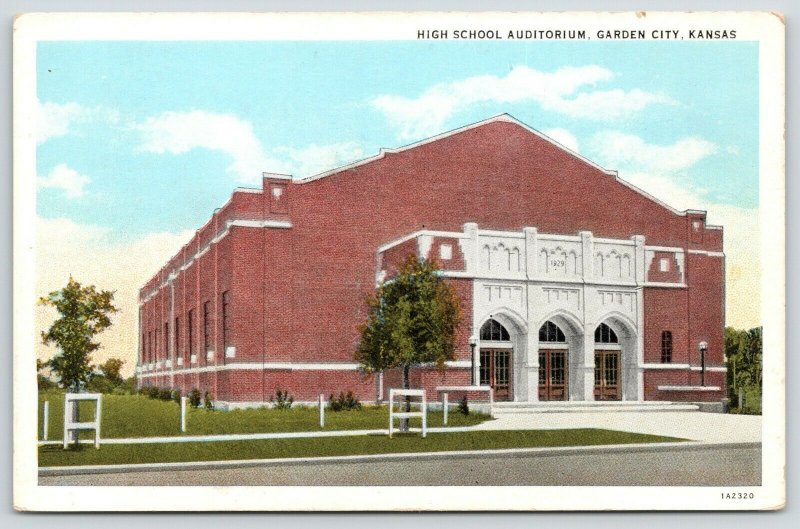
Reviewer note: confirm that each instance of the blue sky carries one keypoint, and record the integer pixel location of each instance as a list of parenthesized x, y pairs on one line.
[(295, 95), (139, 142)]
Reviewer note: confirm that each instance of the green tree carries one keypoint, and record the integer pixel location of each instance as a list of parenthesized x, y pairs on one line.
[(111, 369), (744, 352), (412, 319), (84, 312)]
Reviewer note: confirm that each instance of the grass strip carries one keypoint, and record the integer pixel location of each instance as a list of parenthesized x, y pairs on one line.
[(132, 416), (338, 446)]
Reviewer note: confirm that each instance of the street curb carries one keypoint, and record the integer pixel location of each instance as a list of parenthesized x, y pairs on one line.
[(377, 458)]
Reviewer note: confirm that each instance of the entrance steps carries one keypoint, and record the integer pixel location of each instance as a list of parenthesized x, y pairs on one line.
[(502, 408)]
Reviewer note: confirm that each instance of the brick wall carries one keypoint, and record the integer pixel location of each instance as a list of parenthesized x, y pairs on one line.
[(298, 294)]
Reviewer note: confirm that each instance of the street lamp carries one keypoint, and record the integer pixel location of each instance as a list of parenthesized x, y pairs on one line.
[(703, 347), (473, 341)]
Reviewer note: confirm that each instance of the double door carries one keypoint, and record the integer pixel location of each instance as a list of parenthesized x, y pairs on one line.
[(553, 374), (495, 371), (606, 375)]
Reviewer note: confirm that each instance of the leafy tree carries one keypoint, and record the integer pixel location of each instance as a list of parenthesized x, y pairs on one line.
[(411, 319), (84, 313), (111, 369), (744, 352)]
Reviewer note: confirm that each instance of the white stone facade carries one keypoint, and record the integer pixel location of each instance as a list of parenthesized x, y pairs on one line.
[(523, 279)]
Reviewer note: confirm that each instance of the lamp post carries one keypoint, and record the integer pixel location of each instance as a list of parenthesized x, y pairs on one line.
[(473, 341), (703, 347)]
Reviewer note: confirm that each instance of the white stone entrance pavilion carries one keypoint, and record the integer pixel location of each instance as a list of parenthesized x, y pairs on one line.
[(589, 289)]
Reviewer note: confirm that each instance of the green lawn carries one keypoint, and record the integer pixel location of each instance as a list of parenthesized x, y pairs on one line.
[(335, 446), (125, 416)]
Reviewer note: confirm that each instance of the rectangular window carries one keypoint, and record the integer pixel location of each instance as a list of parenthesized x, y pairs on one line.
[(177, 337), (666, 347), (207, 326), (445, 252), (663, 265), (166, 339), (190, 332), (226, 316)]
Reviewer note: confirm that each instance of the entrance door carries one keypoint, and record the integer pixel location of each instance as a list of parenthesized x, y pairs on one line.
[(553, 374), (606, 375), (495, 371)]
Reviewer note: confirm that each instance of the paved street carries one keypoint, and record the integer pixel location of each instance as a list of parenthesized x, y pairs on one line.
[(697, 466)]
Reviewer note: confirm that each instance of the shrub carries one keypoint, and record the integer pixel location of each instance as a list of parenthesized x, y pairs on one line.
[(344, 402), (194, 398), (463, 406), (176, 396), (152, 392), (165, 394), (208, 401), (282, 400)]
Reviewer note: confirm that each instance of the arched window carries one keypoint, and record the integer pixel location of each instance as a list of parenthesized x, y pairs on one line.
[(550, 332), (494, 332), (605, 334)]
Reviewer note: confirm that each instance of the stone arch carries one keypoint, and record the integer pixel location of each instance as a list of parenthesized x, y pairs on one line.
[(627, 333), (559, 316)]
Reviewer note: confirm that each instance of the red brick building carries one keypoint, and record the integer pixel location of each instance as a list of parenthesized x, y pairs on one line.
[(575, 285)]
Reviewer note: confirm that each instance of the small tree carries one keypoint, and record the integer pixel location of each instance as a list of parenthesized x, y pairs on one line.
[(111, 370), (411, 319), (84, 313)]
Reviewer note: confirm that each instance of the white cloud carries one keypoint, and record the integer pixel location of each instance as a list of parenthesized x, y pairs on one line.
[(179, 132), (555, 91), (70, 181), (54, 120), (64, 247), (315, 159), (564, 137), (617, 148)]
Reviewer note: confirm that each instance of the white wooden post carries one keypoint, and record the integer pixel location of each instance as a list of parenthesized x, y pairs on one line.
[(444, 408), (424, 416), (45, 421), (98, 407), (321, 410), (67, 437), (183, 413)]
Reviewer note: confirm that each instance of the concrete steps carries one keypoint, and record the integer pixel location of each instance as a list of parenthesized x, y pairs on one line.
[(501, 408)]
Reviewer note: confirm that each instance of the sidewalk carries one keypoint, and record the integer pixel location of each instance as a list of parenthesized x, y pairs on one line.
[(693, 425)]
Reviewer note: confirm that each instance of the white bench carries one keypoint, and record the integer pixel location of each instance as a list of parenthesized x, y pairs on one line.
[(445, 390), (419, 393)]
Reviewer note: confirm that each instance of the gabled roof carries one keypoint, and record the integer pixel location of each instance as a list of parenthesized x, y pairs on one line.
[(507, 118)]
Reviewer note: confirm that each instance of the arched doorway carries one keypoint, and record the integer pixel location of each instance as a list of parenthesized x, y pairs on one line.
[(553, 363), (607, 364), (496, 357)]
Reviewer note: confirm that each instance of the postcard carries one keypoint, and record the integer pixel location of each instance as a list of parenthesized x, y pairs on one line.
[(307, 261)]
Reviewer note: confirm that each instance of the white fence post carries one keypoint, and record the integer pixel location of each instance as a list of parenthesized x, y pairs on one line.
[(97, 412), (444, 408), (45, 419), (183, 413), (321, 410)]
